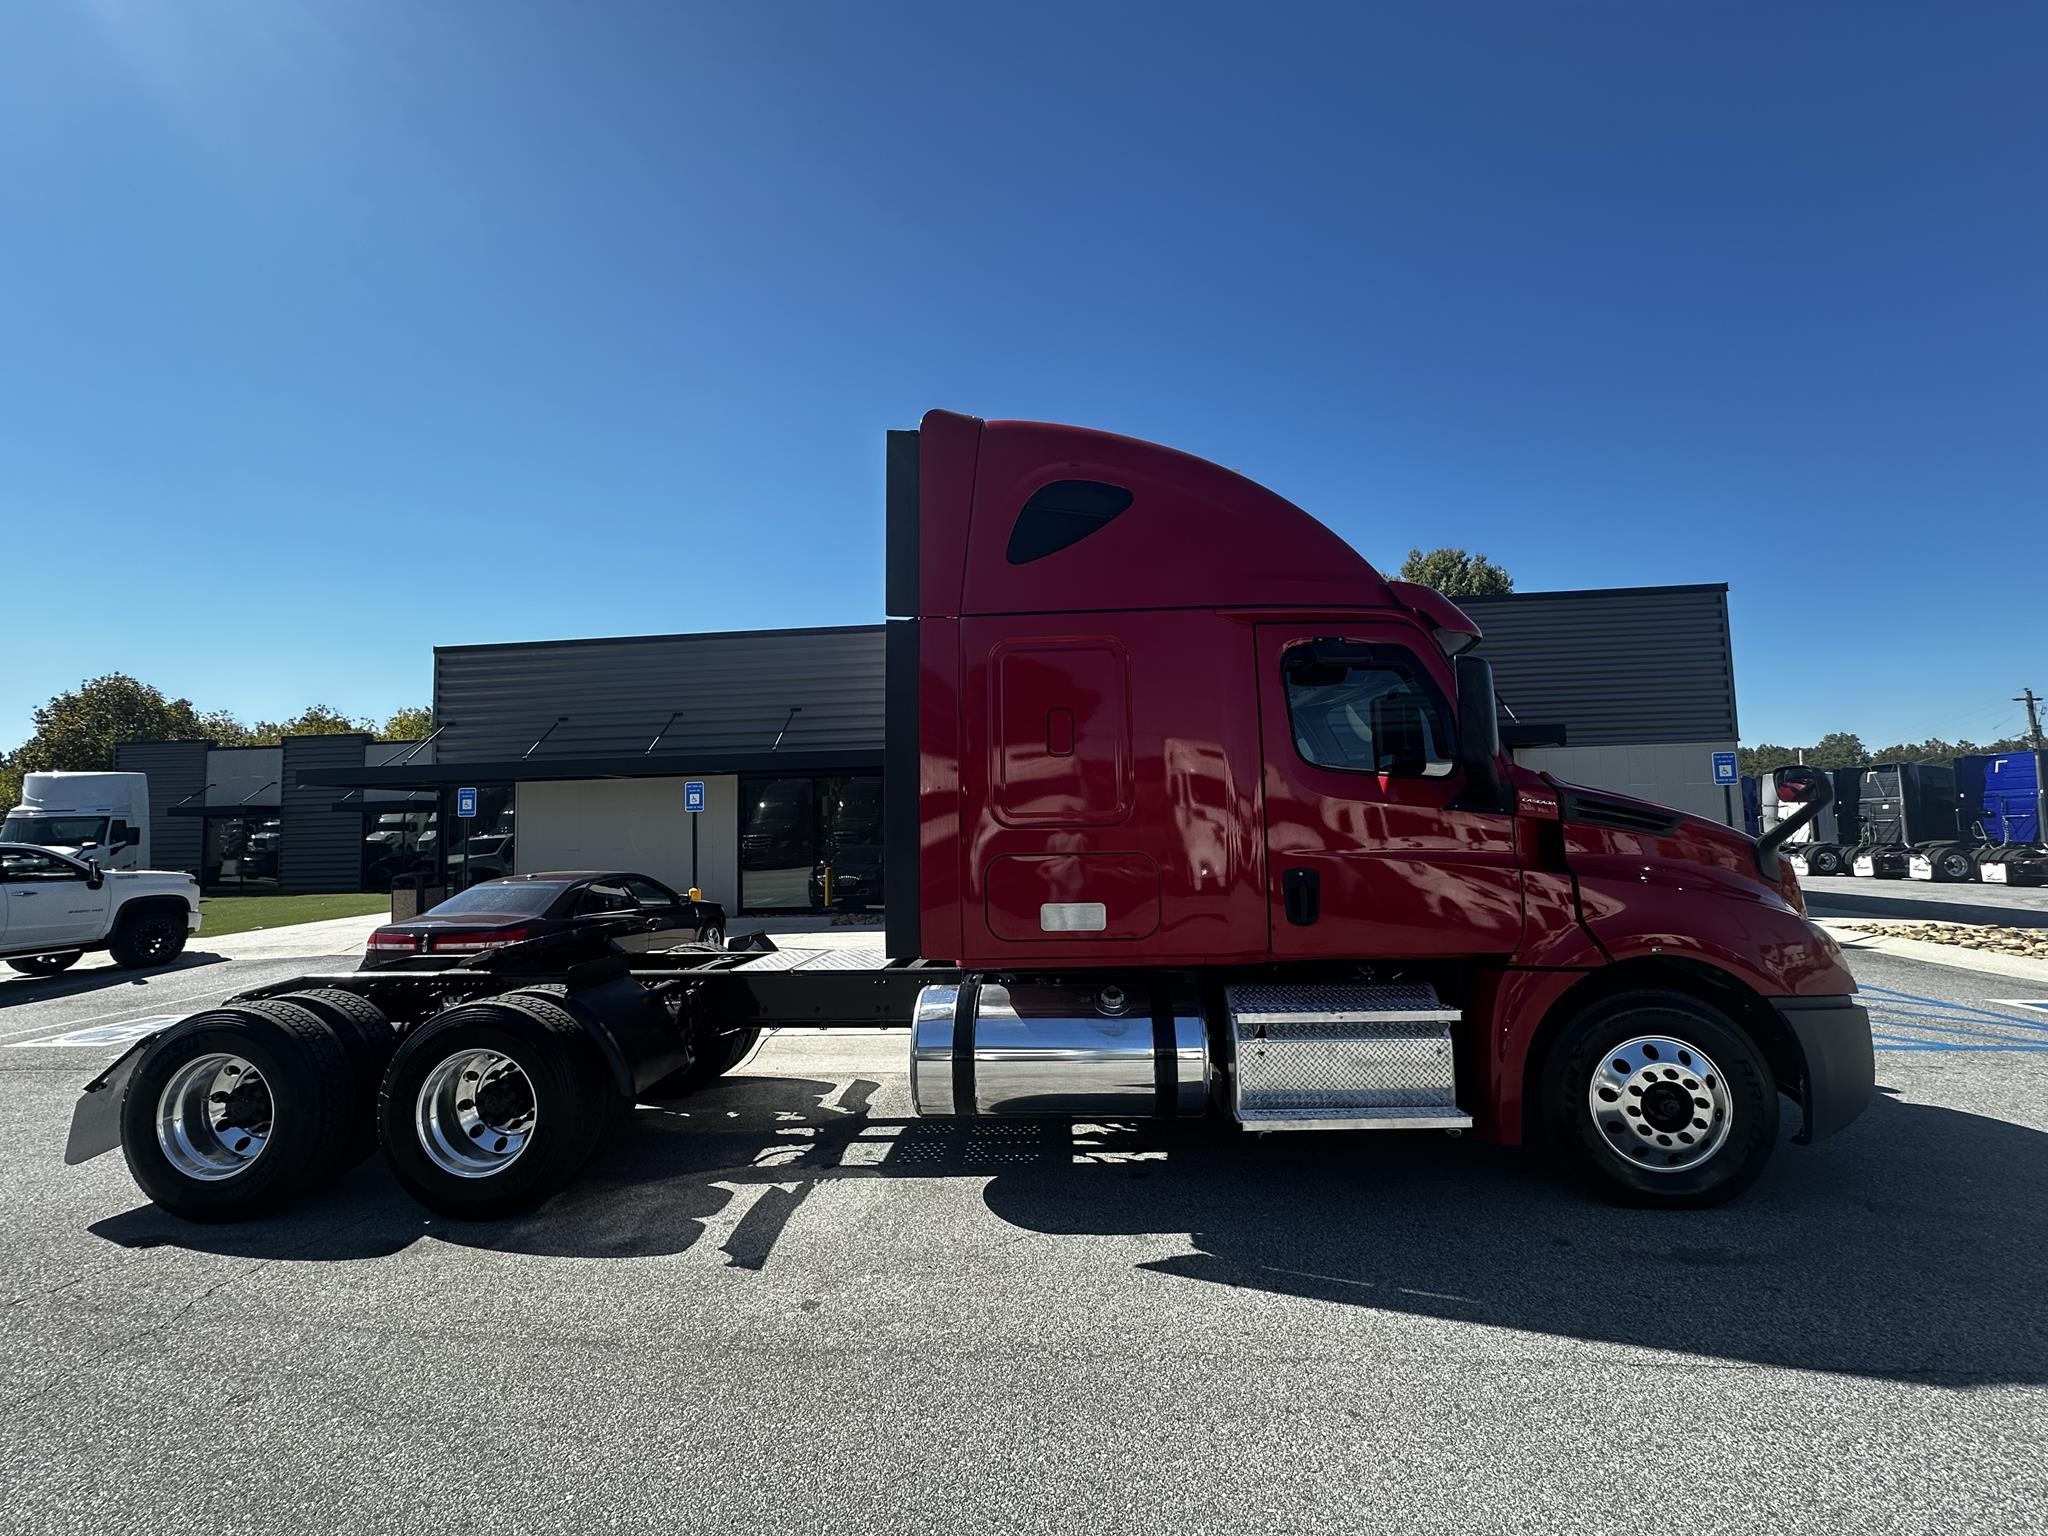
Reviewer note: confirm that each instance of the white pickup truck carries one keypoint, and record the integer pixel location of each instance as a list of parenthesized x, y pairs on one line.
[(54, 907)]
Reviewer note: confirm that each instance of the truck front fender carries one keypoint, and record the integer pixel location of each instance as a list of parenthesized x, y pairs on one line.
[(1760, 941)]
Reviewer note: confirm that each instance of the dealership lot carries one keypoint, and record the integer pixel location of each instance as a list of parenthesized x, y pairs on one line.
[(782, 1304), (1925, 901)]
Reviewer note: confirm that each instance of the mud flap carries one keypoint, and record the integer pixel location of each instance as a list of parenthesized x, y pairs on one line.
[(96, 1120)]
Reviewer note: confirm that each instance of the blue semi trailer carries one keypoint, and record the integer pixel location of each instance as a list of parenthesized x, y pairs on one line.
[(1999, 815)]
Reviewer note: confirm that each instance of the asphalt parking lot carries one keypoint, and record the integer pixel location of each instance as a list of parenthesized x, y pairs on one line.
[(2017, 906), (781, 1305)]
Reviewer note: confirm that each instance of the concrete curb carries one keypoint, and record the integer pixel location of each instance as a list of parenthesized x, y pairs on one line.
[(328, 936), (1985, 962)]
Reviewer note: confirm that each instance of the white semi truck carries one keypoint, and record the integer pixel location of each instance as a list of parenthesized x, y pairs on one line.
[(100, 816)]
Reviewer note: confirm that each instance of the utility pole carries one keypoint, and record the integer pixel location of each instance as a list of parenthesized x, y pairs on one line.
[(2028, 697)]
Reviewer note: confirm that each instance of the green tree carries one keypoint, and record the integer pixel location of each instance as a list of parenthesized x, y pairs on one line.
[(1760, 760), (220, 727), (413, 723), (313, 720), (79, 730), (1837, 749), (1456, 573)]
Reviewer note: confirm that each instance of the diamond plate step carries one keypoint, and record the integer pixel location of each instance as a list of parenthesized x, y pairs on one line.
[(1416, 1118), (1343, 1056)]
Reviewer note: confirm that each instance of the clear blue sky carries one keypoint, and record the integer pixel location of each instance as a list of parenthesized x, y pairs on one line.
[(335, 330)]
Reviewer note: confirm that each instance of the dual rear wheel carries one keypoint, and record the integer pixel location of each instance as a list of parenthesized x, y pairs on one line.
[(482, 1112), (244, 1108)]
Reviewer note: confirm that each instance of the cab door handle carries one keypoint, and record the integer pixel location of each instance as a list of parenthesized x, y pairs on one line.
[(1301, 894)]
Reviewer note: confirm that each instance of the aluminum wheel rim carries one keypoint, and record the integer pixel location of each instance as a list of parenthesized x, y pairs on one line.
[(1635, 1099), (475, 1114), (213, 1118)]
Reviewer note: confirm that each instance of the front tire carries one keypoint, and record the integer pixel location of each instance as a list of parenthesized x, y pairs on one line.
[(1660, 1099), (1825, 861), (46, 965), (148, 937), (1952, 862)]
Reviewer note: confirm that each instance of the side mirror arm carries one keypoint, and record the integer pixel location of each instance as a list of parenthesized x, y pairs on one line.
[(1817, 794)]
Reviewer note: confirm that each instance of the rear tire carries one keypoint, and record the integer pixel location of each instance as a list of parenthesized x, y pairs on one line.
[(1660, 1099), (464, 1156), (1826, 860), (368, 1039), (274, 1138), (46, 965), (148, 937), (1952, 862)]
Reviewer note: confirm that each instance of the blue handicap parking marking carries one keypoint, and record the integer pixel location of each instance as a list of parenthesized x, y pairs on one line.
[(1905, 1021)]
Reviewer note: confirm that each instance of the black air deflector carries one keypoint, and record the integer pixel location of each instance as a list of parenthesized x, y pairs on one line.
[(1062, 514), (901, 846), (1619, 815), (899, 535)]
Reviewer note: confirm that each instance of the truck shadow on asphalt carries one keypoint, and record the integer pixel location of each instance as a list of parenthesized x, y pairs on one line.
[(16, 988), (1912, 1247)]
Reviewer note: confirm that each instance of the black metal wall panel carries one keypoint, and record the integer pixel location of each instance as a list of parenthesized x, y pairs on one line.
[(1620, 666), (177, 771), (731, 692), (1616, 666), (322, 848)]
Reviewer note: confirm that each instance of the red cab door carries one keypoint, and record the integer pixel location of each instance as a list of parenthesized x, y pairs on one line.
[(1367, 856)]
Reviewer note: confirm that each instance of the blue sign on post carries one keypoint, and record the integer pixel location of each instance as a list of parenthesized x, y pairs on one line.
[(693, 795), (1725, 771), (465, 804)]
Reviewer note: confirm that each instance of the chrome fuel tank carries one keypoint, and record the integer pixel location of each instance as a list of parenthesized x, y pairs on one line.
[(1033, 1048)]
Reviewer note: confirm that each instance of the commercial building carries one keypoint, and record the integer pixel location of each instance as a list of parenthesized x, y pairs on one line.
[(579, 751), (251, 819)]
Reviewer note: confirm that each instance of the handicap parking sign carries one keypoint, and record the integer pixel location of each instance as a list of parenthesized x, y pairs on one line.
[(465, 804), (1724, 769), (693, 795)]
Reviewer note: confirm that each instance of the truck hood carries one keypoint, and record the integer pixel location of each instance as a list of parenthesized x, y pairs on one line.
[(131, 881), (1668, 845)]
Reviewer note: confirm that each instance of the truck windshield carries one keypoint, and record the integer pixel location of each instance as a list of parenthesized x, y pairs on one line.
[(54, 831)]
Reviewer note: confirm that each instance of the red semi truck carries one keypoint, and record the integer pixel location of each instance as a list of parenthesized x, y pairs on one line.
[(1190, 813)]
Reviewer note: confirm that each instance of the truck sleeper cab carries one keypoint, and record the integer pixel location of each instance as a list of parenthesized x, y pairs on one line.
[(1189, 813)]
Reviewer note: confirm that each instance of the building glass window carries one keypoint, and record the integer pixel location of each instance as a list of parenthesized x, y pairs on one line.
[(241, 853), (399, 842), (811, 843), (480, 848)]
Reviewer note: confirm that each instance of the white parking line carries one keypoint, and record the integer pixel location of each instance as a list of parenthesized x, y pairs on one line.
[(124, 1033), (2037, 1004), (116, 1013)]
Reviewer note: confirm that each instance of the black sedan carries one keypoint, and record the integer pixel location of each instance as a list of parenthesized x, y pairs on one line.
[(638, 912)]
